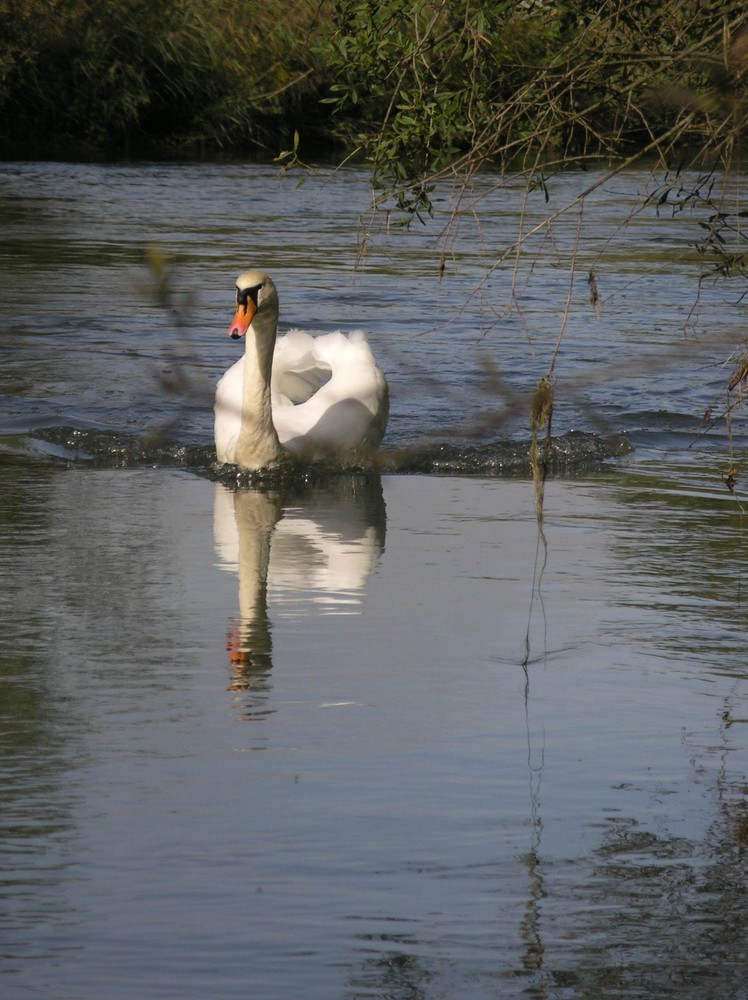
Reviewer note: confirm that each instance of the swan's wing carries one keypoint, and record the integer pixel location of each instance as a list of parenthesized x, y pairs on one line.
[(298, 371), (349, 409)]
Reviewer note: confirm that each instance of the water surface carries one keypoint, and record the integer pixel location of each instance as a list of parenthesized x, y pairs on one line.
[(349, 734), (88, 342)]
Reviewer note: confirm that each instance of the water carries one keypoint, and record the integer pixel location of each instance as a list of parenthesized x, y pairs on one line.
[(351, 735), (78, 301)]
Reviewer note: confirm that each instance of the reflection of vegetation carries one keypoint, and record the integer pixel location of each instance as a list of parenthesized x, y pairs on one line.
[(40, 725), (656, 911), (396, 975), (685, 546), (660, 910), (657, 915)]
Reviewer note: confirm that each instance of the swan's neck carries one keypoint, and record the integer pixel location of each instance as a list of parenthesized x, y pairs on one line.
[(258, 443)]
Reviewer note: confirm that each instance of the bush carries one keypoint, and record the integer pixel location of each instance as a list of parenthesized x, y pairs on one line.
[(114, 75), (421, 86), (431, 87)]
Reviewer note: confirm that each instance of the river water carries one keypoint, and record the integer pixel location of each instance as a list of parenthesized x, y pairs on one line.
[(367, 734)]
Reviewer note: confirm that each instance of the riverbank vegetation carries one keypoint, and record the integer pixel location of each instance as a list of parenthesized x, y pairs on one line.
[(156, 77), (416, 86), (434, 90)]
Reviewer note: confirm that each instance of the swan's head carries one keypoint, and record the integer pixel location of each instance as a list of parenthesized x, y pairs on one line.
[(255, 293)]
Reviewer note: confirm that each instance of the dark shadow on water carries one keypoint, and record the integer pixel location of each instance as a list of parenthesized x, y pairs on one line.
[(571, 454)]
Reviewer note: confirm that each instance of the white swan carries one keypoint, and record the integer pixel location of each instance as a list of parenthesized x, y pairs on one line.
[(312, 396)]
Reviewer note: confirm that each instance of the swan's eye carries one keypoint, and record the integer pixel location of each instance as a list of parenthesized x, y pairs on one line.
[(243, 294)]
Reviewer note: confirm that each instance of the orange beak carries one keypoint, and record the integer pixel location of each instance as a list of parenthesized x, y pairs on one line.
[(242, 318)]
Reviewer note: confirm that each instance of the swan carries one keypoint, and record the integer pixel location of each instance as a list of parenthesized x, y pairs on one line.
[(308, 396)]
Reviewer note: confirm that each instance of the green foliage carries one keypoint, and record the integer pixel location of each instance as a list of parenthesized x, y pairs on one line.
[(417, 80), (437, 87), (118, 74), (423, 87)]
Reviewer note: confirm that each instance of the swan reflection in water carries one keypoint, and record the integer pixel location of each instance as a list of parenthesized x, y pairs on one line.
[(306, 553)]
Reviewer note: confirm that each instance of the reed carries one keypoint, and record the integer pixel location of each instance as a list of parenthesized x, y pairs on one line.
[(114, 76)]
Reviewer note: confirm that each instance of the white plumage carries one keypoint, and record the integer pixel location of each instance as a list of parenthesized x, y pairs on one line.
[(311, 396)]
